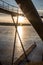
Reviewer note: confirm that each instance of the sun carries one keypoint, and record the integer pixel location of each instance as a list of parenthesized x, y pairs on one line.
[(20, 19)]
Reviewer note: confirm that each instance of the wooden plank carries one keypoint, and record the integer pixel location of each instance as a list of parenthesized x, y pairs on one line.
[(32, 15), (27, 52)]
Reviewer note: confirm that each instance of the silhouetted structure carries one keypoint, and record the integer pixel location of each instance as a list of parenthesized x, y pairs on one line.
[(32, 15)]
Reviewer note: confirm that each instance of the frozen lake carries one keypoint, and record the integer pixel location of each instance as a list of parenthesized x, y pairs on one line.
[(28, 37)]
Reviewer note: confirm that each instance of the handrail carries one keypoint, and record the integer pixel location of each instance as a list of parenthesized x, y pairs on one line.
[(8, 6)]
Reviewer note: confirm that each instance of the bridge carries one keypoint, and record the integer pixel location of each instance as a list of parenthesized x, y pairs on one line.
[(31, 14), (13, 11), (10, 10)]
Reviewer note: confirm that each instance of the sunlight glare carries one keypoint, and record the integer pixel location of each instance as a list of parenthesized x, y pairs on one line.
[(20, 19), (19, 28)]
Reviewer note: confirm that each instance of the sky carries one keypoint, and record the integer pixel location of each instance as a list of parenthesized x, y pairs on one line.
[(11, 2), (38, 3)]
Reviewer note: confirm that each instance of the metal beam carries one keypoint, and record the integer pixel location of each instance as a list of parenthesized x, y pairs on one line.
[(32, 15), (14, 24), (2, 10)]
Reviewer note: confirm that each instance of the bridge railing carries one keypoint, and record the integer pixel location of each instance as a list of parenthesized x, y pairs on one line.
[(8, 6)]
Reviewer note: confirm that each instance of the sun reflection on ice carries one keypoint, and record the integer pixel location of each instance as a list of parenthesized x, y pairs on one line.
[(19, 28), (20, 19), (18, 44)]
